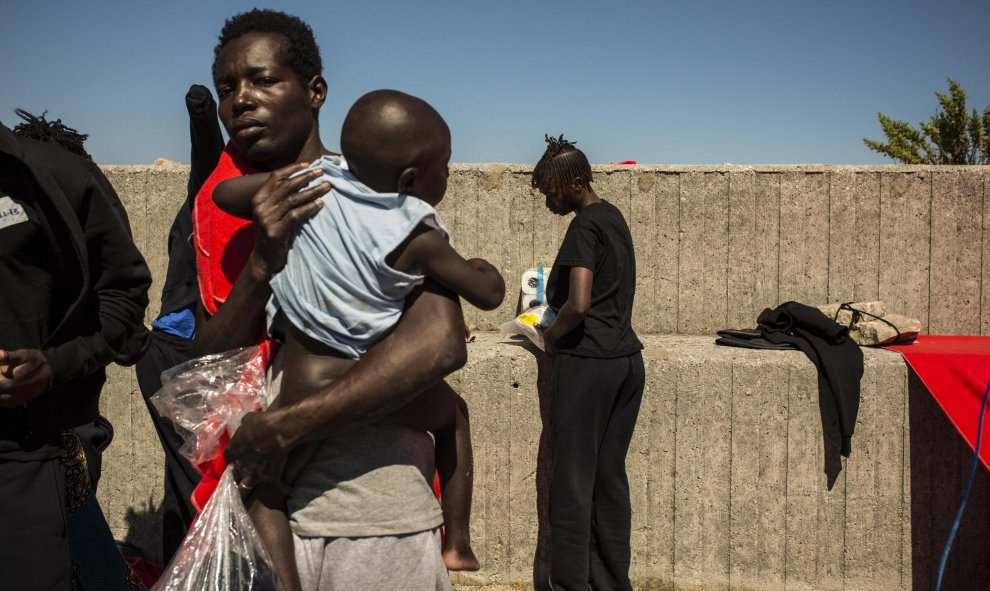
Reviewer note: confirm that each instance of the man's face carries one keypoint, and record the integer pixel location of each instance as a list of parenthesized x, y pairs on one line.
[(268, 113)]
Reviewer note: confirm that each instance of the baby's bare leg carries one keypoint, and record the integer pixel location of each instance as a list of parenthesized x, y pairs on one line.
[(267, 509), (455, 463), (442, 412)]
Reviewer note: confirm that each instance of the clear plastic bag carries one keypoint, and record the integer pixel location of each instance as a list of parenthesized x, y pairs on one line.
[(531, 323), (222, 551), (208, 396)]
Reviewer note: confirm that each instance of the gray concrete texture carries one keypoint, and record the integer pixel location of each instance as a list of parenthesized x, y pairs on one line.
[(734, 453), (735, 477), (715, 244)]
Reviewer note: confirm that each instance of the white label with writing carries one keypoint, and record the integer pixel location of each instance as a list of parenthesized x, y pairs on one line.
[(11, 212)]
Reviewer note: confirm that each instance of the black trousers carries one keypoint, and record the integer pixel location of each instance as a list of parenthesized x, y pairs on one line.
[(593, 414), (34, 541), (181, 478)]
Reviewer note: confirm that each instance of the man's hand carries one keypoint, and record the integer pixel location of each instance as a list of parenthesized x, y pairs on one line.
[(256, 450), (278, 208), (24, 375)]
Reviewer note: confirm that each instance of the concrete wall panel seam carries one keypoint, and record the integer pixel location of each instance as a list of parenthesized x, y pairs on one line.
[(931, 206)]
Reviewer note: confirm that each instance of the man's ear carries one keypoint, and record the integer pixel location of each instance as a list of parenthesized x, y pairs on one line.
[(407, 180), (577, 184), (317, 89)]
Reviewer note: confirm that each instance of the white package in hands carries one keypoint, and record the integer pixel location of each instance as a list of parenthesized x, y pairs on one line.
[(222, 551), (532, 323), (208, 396), (532, 287)]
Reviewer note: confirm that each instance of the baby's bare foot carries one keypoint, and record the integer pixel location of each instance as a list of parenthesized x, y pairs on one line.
[(460, 559)]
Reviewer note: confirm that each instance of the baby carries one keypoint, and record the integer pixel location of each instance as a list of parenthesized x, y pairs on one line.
[(345, 282)]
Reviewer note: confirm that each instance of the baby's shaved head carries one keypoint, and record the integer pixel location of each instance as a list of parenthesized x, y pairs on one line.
[(387, 131)]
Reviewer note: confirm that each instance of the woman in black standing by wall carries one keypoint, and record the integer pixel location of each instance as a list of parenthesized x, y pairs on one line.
[(598, 377)]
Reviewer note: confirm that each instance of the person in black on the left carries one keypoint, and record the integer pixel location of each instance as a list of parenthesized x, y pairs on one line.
[(74, 294)]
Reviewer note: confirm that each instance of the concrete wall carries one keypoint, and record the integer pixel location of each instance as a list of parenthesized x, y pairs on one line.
[(731, 462), (735, 476), (715, 244)]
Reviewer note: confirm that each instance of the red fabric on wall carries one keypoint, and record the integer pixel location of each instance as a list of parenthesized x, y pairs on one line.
[(955, 369)]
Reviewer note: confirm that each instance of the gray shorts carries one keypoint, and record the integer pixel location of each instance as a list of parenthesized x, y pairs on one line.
[(406, 562)]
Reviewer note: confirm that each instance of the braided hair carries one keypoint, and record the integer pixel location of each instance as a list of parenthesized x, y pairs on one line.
[(52, 132), (560, 165)]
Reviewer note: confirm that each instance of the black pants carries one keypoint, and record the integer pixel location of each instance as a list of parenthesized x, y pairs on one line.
[(181, 478), (593, 414), (34, 541)]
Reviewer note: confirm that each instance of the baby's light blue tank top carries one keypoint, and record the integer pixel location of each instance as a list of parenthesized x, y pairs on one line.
[(335, 286)]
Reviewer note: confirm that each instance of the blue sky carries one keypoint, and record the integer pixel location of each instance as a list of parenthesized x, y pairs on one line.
[(658, 82)]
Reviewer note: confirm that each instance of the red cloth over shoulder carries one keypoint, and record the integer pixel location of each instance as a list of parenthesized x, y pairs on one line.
[(223, 242)]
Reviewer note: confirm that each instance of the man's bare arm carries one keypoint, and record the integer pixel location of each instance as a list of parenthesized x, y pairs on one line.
[(426, 345), (241, 319)]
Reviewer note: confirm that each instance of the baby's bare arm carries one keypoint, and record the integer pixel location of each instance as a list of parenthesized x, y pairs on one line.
[(234, 195), (475, 280)]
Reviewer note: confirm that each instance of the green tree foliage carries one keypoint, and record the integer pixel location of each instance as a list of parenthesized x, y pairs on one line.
[(952, 135)]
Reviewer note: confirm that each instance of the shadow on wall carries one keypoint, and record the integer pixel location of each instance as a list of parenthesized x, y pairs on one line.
[(831, 434), (940, 463), (144, 532)]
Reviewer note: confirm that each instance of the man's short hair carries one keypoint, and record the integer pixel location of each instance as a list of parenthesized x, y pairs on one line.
[(302, 54)]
